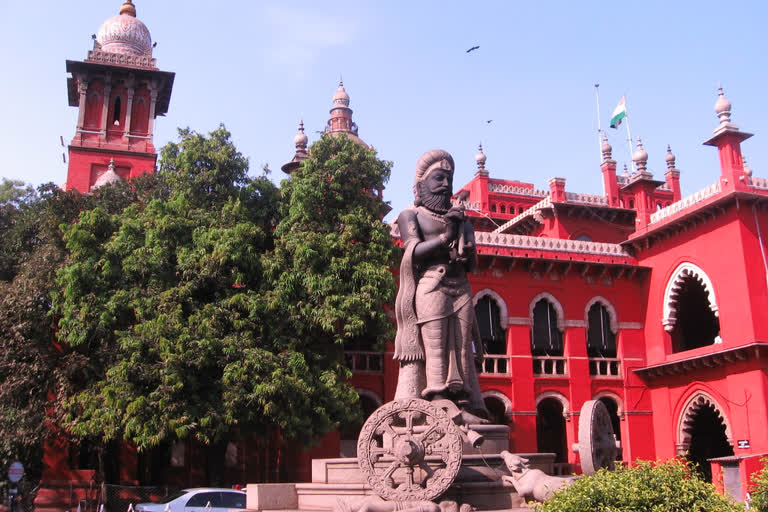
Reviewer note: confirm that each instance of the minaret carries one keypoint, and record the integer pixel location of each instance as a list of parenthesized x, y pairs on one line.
[(672, 175), (119, 91), (608, 166), (728, 140)]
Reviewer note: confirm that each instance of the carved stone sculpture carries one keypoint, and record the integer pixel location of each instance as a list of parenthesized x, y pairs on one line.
[(376, 504), (435, 315), (409, 450), (532, 484)]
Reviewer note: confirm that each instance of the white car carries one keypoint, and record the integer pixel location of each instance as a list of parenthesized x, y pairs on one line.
[(204, 499)]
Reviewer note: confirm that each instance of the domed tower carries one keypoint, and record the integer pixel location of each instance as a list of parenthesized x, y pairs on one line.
[(119, 91), (341, 116)]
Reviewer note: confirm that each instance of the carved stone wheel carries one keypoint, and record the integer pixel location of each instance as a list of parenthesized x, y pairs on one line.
[(597, 443), (409, 450)]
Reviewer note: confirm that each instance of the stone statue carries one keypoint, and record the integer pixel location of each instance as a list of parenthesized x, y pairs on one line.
[(531, 483), (436, 327)]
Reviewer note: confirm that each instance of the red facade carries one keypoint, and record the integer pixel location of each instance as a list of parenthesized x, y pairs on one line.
[(628, 297)]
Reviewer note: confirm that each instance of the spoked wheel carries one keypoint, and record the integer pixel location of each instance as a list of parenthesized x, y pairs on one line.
[(597, 442), (409, 450)]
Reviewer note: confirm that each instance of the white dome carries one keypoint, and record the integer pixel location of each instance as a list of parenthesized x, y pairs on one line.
[(125, 33)]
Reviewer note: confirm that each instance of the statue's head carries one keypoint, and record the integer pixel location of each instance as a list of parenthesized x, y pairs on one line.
[(433, 185)]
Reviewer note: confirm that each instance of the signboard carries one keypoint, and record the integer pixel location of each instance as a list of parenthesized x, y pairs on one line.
[(743, 443), (15, 472)]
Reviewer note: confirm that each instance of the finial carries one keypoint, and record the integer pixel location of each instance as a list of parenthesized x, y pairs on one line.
[(670, 158), (606, 149), (640, 157), (722, 106), (301, 138), (128, 8), (111, 166), (341, 97), (626, 171), (480, 158)]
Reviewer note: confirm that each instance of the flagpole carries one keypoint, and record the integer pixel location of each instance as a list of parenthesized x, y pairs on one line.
[(599, 130), (629, 136)]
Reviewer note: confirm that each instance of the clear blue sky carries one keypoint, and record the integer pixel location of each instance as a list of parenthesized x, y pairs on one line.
[(261, 66)]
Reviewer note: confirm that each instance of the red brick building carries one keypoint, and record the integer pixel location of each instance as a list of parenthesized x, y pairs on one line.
[(628, 297)]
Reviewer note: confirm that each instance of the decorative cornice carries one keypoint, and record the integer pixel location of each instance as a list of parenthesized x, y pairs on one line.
[(686, 202), (121, 59), (716, 359), (549, 244), (501, 188)]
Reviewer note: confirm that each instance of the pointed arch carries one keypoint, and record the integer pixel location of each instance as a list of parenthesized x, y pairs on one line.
[(613, 396), (697, 401), (555, 304), (503, 314), (674, 286), (614, 324)]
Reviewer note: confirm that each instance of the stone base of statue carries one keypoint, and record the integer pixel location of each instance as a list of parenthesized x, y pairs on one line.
[(413, 455)]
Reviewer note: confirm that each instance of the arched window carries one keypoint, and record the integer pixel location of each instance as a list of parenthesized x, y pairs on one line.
[(493, 208), (546, 338), (502, 209), (488, 316), (601, 340), (690, 310), (613, 412)]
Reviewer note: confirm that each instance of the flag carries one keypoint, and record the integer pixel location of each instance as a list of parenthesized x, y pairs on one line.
[(619, 113)]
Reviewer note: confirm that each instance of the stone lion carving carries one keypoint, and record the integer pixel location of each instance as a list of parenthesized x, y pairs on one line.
[(531, 483)]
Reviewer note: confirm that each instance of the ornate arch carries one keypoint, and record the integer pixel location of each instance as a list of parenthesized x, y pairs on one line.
[(370, 394), (608, 306), (557, 396), (695, 402), (613, 396), (504, 320), (552, 300), (504, 399), (672, 291)]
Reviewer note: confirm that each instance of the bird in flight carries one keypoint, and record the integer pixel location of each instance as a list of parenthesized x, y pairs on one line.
[(473, 49), (489, 121)]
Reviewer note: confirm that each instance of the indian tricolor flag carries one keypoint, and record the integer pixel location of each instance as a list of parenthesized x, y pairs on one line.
[(619, 113)]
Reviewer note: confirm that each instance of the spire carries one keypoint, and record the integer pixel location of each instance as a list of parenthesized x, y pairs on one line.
[(670, 158), (480, 158), (128, 8), (723, 107), (606, 148), (640, 157), (301, 138)]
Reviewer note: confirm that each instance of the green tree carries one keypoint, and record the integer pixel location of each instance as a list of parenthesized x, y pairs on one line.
[(31, 253), (759, 489), (670, 486)]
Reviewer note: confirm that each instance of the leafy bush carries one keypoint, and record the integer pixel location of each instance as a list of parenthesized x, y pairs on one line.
[(759, 489), (658, 487)]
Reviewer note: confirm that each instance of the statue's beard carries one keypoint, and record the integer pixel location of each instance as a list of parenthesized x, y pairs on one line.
[(439, 203)]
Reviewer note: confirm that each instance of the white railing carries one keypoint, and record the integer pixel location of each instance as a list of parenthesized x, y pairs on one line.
[(495, 365), (549, 366), (573, 197), (548, 244), (364, 361), (547, 201), (500, 188), (686, 202), (605, 367)]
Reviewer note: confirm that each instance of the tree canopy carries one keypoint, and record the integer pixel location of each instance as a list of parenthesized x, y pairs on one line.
[(214, 303)]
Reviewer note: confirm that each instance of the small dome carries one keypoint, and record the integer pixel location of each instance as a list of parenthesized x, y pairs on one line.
[(747, 169), (125, 33), (670, 158), (301, 138), (606, 148), (722, 104), (341, 98), (640, 155), (109, 177), (480, 157)]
